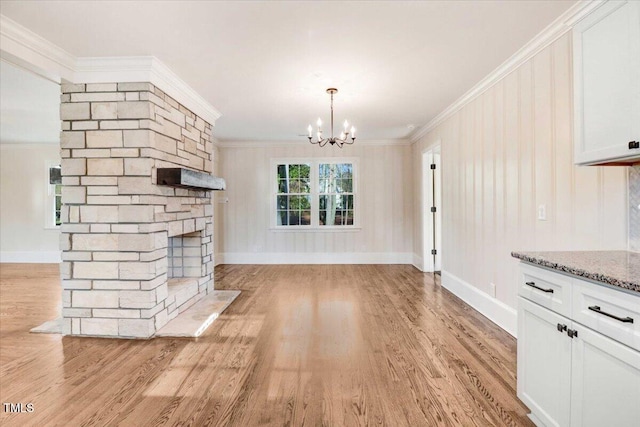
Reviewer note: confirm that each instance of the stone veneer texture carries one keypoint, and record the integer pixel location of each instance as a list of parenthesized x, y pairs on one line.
[(634, 208), (116, 220)]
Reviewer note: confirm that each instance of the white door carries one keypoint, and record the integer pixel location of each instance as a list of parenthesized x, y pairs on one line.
[(605, 389), (544, 363)]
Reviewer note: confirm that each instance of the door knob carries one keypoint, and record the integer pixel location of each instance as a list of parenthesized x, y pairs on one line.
[(634, 144)]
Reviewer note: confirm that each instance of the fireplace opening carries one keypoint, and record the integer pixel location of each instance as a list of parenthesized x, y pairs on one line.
[(184, 256)]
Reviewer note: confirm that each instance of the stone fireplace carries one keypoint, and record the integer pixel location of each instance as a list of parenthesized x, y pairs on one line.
[(135, 253)]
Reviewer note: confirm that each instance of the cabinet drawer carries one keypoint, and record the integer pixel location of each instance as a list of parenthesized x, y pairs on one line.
[(613, 313), (548, 289)]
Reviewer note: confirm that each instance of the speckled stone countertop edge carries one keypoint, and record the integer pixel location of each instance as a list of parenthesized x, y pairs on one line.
[(603, 278)]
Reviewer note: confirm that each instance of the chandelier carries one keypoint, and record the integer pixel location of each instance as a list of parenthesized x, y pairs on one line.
[(344, 135)]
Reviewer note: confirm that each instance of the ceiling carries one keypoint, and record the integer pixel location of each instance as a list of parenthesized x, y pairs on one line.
[(265, 65)]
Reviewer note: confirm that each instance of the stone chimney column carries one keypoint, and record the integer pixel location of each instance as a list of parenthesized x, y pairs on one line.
[(116, 219)]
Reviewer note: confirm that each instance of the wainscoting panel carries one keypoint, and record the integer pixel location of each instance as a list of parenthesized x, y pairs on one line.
[(506, 153), (385, 192)]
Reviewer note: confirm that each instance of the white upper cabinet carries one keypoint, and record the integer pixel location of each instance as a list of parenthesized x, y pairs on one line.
[(606, 58)]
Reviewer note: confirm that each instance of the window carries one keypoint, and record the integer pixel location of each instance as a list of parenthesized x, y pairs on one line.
[(335, 193), (57, 197), (315, 194), (54, 199), (294, 199)]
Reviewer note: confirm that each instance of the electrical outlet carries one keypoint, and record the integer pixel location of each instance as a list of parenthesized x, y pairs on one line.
[(542, 212), (492, 289)]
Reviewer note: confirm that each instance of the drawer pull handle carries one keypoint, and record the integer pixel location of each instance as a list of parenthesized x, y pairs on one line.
[(533, 285), (561, 327), (597, 309)]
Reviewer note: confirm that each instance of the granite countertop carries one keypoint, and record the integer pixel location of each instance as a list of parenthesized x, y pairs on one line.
[(617, 268)]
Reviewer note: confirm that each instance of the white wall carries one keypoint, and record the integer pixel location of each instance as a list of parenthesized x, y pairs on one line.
[(503, 154), (24, 203), (217, 198), (385, 189)]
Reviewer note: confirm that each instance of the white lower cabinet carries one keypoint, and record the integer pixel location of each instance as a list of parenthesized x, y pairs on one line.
[(572, 375), (605, 381), (544, 364)]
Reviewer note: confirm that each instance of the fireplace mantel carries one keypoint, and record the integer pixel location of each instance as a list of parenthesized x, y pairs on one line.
[(188, 178)]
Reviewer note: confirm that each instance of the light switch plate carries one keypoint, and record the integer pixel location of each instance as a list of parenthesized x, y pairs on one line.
[(542, 212)]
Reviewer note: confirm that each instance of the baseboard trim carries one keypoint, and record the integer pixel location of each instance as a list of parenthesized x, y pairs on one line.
[(418, 262), (314, 258), (493, 309), (218, 259), (38, 257)]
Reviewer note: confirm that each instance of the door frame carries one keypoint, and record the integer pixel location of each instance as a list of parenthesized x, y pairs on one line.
[(431, 155)]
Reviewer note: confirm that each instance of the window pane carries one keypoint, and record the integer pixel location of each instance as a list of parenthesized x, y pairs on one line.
[(55, 175), (305, 202), (322, 186), (294, 171), (305, 185), (322, 217), (305, 219), (323, 170), (282, 202), (282, 186), (346, 185), (282, 218), (346, 202), (349, 217), (282, 171), (346, 170), (305, 171), (294, 217)]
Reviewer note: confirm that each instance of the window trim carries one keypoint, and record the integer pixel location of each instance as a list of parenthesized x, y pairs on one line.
[(314, 163)]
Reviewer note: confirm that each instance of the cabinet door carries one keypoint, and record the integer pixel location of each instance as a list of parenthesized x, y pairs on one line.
[(605, 388), (607, 83), (544, 364)]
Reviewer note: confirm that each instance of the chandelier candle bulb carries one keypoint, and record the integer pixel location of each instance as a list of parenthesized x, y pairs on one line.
[(310, 129), (346, 125), (353, 132), (319, 123)]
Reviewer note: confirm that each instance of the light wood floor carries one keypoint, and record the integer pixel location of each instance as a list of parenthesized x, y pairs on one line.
[(302, 345)]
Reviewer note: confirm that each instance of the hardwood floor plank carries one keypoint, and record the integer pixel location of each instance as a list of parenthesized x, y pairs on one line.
[(303, 345)]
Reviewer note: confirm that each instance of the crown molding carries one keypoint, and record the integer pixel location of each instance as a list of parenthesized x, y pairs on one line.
[(23, 47), (551, 33), (302, 142), (131, 69)]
